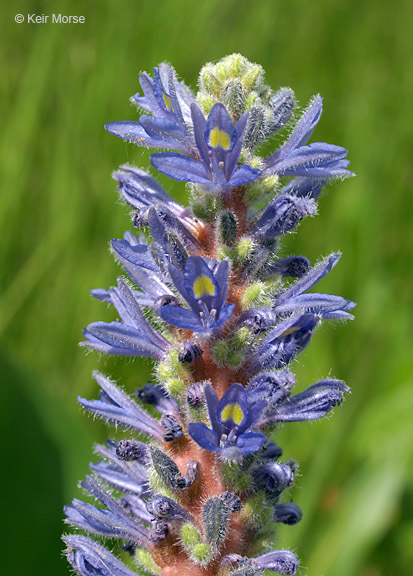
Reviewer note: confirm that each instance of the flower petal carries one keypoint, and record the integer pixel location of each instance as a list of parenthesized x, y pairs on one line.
[(119, 339), (212, 402), (181, 317), (250, 442), (243, 175), (127, 130), (206, 438), (224, 314), (220, 133), (301, 133), (180, 167)]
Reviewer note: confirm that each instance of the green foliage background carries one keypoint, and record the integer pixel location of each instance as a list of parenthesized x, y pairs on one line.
[(58, 209)]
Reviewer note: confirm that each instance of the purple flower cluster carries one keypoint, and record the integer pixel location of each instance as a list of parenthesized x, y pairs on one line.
[(210, 300)]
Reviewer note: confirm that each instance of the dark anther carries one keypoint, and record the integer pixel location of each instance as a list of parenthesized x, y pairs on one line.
[(173, 428), (130, 450), (191, 352), (195, 394), (129, 547), (231, 501)]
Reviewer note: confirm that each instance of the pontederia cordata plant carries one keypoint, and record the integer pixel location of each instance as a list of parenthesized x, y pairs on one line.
[(222, 315)]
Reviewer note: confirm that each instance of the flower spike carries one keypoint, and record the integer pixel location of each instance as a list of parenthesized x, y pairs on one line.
[(222, 315)]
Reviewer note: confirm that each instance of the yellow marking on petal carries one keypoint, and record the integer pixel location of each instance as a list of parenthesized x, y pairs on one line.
[(219, 139), (203, 286), (290, 331), (167, 102), (233, 412)]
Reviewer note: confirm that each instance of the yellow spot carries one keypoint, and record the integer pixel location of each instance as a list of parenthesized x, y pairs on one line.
[(233, 412), (290, 331), (219, 139), (168, 102), (203, 286)]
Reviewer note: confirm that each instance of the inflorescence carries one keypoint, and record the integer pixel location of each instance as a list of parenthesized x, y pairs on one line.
[(223, 316)]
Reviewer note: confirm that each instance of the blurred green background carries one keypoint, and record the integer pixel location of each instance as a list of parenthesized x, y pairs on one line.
[(58, 209)]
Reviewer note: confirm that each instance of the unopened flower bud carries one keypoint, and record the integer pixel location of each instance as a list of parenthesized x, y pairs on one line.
[(176, 250), (274, 477), (227, 228), (290, 267), (216, 515), (234, 98), (281, 561), (272, 451), (167, 470), (287, 513), (162, 507)]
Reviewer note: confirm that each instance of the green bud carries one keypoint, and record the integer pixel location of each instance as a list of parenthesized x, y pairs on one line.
[(221, 351), (253, 295), (175, 387), (242, 482), (165, 371), (261, 191), (236, 82), (252, 77), (206, 102), (272, 285), (234, 99), (201, 554), (225, 252), (230, 352), (235, 359), (209, 82), (256, 511), (190, 536), (171, 368), (255, 161), (235, 478), (235, 65), (242, 249), (204, 205), (173, 374), (145, 561), (220, 71), (251, 100), (177, 366), (238, 340)]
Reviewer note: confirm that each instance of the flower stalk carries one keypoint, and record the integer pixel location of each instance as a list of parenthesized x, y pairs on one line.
[(208, 297)]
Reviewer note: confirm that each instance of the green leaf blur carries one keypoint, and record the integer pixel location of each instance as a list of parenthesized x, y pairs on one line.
[(59, 84)]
